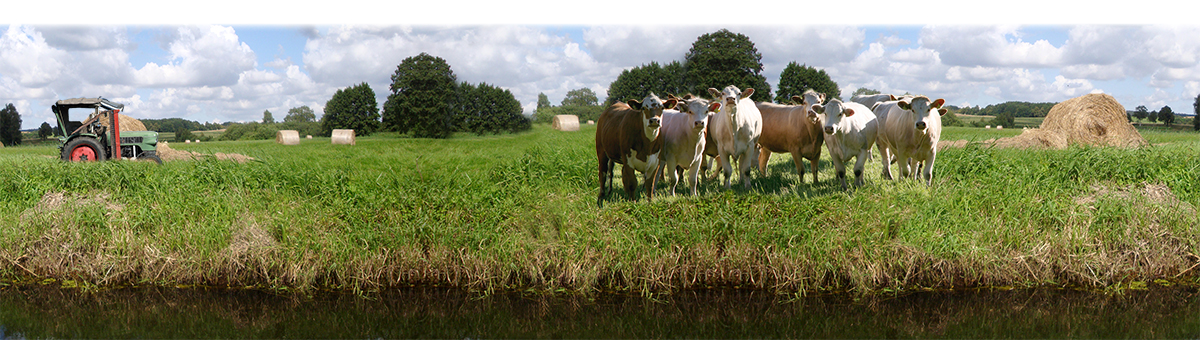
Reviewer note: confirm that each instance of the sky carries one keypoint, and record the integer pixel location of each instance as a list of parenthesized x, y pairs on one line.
[(222, 61)]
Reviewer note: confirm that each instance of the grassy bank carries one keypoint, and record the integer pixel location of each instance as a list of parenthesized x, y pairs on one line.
[(519, 212)]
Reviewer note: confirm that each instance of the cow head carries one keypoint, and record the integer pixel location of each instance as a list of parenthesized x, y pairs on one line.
[(925, 112), (652, 109), (808, 99), (699, 109), (834, 111)]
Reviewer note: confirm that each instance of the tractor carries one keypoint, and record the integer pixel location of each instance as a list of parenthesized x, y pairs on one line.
[(99, 137)]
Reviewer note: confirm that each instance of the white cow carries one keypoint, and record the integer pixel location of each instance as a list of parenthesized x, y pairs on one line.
[(736, 128), (685, 131), (850, 131), (909, 130), (870, 100)]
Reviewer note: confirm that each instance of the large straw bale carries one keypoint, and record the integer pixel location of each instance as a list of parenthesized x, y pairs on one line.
[(565, 123), (126, 123), (1094, 119), (287, 137), (342, 136)]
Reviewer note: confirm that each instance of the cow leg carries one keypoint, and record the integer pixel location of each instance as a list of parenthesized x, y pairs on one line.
[(726, 169), (763, 157), (928, 171), (799, 161), (859, 162), (744, 163), (839, 168), (629, 179), (650, 179), (885, 156), (814, 169), (670, 173), (605, 171), (693, 177)]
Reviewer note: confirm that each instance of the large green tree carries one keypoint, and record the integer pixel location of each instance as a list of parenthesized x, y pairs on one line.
[(302, 114), (10, 125), (1196, 116), (45, 130), (352, 108), (267, 117), (1141, 112), (543, 101), (724, 58), (580, 97), (1166, 116), (422, 99), (797, 78), (640, 81), (490, 109)]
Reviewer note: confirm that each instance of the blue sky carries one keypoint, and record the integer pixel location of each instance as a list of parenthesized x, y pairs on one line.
[(231, 65)]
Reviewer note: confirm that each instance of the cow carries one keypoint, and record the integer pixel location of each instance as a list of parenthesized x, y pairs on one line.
[(630, 134), (870, 100), (685, 132), (788, 128), (736, 128), (850, 131), (909, 130)]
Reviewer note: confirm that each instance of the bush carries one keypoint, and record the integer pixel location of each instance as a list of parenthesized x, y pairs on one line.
[(250, 131)]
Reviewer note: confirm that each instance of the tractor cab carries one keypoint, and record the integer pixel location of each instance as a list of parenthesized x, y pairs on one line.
[(98, 136)]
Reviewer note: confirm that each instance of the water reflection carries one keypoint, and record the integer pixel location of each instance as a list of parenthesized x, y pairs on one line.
[(39, 312)]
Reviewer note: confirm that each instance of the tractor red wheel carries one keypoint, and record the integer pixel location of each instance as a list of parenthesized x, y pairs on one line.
[(83, 149)]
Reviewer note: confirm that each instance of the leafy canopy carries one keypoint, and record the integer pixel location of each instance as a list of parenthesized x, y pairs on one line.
[(724, 58)]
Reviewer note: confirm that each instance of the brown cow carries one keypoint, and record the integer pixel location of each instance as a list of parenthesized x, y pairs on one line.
[(628, 133), (787, 128)]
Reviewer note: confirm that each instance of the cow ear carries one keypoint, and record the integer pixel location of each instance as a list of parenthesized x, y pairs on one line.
[(848, 112), (798, 100), (812, 110), (747, 93), (714, 107), (714, 93), (670, 104), (821, 96), (635, 104), (892, 96), (942, 111), (938, 103), (904, 104)]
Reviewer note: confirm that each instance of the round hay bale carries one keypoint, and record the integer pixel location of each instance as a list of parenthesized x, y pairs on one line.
[(189, 141), (591, 122), (1093, 119), (307, 136), (287, 137), (565, 123), (342, 136)]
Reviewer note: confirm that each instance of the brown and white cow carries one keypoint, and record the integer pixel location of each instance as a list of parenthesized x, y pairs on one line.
[(909, 130), (788, 128), (686, 134), (629, 133)]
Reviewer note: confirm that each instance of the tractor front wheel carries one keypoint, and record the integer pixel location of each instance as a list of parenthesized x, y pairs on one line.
[(83, 149)]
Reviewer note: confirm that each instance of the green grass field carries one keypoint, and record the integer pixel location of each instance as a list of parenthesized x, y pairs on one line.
[(519, 212)]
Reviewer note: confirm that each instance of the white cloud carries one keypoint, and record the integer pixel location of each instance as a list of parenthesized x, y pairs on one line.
[(989, 46), (200, 56)]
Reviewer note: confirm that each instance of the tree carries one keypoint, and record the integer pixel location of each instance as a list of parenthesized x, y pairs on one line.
[(865, 91), (1153, 115), (267, 119), (724, 58), (10, 125), (543, 101), (640, 81), (45, 130), (580, 97), (422, 99), (1004, 119), (183, 135), (352, 108), (795, 79), (1166, 116), (302, 114), (1140, 112), (1196, 116)]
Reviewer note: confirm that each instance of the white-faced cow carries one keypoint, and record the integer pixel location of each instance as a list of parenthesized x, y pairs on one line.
[(685, 132), (629, 133), (909, 130), (870, 100), (788, 128), (850, 131), (736, 128)]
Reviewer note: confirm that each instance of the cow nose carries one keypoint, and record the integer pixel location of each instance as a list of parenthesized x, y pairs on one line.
[(653, 121), (698, 124), (920, 125), (829, 130)]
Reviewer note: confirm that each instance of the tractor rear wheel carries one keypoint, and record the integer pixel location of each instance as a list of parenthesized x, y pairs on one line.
[(83, 149)]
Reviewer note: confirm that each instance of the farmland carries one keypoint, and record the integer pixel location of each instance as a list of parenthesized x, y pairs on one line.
[(518, 212)]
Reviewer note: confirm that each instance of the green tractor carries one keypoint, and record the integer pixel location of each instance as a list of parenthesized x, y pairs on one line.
[(99, 137)]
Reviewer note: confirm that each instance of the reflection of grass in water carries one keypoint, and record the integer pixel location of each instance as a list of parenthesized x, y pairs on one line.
[(518, 212), (438, 313)]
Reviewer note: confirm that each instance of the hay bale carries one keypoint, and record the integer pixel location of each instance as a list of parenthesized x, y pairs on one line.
[(287, 137), (126, 123), (591, 122), (342, 136), (565, 123), (1094, 119), (189, 141), (307, 136)]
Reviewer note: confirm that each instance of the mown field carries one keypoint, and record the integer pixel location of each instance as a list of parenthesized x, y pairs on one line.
[(518, 212)]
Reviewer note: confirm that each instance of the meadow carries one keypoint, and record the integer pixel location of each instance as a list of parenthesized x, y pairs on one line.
[(518, 212)]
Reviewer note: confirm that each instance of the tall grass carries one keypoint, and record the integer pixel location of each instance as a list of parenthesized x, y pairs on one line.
[(518, 212)]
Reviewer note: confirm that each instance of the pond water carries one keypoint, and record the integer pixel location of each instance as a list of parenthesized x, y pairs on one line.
[(51, 312)]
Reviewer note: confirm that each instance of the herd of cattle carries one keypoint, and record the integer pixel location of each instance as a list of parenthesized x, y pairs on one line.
[(678, 134)]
